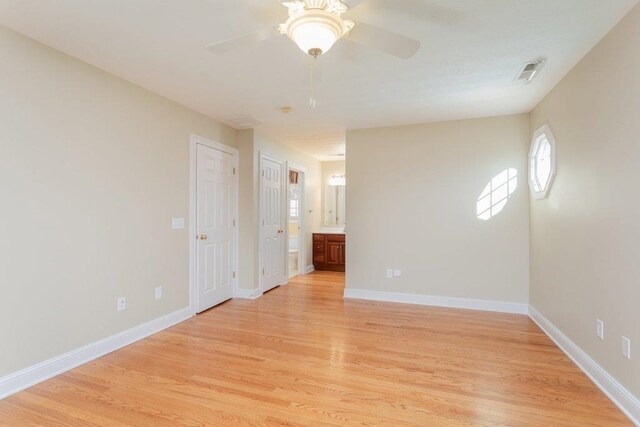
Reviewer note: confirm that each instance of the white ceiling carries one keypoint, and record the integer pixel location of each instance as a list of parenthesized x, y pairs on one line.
[(471, 52)]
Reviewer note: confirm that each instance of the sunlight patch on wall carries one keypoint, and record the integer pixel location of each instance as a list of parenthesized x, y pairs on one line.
[(495, 195)]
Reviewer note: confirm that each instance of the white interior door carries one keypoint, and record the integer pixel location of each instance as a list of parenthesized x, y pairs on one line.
[(216, 193), (273, 246)]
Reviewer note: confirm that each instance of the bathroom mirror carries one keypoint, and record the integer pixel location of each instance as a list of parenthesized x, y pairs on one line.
[(334, 202)]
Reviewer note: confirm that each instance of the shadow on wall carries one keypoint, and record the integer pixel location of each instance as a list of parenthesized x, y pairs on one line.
[(496, 194)]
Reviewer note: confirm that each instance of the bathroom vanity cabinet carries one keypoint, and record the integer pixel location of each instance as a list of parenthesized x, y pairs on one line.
[(329, 251)]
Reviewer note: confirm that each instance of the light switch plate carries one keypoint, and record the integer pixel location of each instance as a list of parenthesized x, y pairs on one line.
[(626, 347), (600, 329), (389, 274), (158, 292), (177, 223), (122, 304), (397, 273)]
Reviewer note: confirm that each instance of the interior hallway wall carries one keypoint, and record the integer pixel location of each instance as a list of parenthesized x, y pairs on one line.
[(92, 170)]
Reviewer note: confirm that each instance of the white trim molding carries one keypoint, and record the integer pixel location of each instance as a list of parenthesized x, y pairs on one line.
[(309, 269), (247, 293), (438, 301), (627, 402), (28, 377)]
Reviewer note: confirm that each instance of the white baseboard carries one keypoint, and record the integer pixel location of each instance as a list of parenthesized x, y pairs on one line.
[(309, 269), (451, 302), (247, 293), (25, 378), (627, 402)]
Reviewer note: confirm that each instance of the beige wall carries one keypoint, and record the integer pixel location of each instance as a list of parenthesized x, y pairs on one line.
[(584, 237), (251, 144), (336, 167), (248, 215), (92, 170), (411, 205)]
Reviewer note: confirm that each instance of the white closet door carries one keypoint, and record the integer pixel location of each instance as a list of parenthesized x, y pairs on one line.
[(216, 194)]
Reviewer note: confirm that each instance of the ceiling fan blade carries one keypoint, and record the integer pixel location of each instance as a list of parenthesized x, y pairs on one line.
[(247, 39), (353, 3), (386, 41)]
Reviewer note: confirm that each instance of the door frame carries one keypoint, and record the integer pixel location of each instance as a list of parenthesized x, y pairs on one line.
[(194, 141), (302, 235), (285, 200)]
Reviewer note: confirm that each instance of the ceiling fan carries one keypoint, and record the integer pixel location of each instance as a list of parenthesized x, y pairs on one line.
[(316, 25)]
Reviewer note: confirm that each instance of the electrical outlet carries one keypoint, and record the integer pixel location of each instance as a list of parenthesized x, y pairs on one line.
[(397, 273), (159, 292), (177, 223), (600, 329), (626, 347), (122, 303), (389, 273)]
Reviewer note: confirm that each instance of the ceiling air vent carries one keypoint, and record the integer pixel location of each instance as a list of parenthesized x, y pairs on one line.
[(243, 122), (530, 70)]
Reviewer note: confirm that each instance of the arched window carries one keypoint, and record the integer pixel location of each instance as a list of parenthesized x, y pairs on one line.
[(542, 162)]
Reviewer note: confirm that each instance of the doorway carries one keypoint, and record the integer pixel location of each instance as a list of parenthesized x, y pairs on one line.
[(296, 221), (213, 223)]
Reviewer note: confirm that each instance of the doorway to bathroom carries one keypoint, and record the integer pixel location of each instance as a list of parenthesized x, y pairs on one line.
[(296, 229)]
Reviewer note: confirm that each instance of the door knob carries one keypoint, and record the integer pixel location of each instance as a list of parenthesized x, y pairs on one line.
[(203, 237)]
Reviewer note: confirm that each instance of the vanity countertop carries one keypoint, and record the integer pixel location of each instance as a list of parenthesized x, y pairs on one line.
[(329, 231)]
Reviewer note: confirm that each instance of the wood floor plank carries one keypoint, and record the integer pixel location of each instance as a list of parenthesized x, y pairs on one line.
[(301, 355)]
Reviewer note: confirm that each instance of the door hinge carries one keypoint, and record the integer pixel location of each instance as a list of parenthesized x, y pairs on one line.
[(234, 171), (234, 222), (234, 274), (263, 271), (262, 172)]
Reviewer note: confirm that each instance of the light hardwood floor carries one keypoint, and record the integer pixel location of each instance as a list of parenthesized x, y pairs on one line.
[(301, 355)]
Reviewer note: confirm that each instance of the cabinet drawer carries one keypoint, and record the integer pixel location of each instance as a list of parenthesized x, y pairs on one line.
[(318, 257), (335, 238), (318, 237), (318, 247)]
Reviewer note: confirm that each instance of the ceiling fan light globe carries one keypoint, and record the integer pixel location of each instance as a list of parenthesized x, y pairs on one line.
[(315, 30), (313, 37)]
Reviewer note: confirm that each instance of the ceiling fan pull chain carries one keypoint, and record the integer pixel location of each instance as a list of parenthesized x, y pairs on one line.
[(313, 100)]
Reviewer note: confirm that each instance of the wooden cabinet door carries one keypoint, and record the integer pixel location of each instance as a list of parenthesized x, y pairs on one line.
[(333, 253), (343, 249)]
